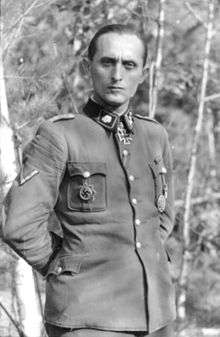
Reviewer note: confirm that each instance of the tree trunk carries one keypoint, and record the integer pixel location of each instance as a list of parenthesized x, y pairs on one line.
[(187, 254), (24, 281), (155, 67), (28, 301), (212, 150)]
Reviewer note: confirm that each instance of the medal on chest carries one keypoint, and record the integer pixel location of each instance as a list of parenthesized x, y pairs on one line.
[(161, 201), (87, 191), (123, 135)]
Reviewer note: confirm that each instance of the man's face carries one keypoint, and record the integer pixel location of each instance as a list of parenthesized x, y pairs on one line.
[(117, 68)]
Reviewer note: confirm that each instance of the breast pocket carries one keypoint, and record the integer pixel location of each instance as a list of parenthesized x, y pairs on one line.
[(160, 186), (86, 191)]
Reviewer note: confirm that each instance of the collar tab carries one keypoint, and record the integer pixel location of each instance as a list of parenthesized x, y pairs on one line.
[(108, 119), (128, 121)]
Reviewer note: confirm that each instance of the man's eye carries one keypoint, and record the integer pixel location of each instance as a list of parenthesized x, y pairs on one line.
[(129, 65), (106, 63)]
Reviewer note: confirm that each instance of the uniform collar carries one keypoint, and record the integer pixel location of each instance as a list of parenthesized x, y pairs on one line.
[(109, 120)]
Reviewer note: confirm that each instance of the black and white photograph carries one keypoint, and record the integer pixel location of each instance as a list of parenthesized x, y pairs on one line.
[(109, 168)]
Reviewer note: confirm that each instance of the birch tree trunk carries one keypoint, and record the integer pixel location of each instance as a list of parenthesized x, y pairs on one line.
[(211, 142), (156, 66), (28, 300), (187, 258), (24, 281)]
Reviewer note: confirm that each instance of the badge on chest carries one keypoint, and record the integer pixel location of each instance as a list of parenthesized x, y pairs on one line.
[(161, 190), (86, 190)]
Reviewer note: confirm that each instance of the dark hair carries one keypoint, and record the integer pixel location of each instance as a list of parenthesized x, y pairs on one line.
[(118, 29)]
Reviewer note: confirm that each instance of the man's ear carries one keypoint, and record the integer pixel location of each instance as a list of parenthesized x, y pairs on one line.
[(145, 73), (85, 66)]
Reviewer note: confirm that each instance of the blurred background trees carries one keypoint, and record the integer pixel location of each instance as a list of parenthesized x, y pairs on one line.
[(43, 45)]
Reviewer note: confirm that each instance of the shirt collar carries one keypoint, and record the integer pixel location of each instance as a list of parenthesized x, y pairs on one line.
[(109, 120)]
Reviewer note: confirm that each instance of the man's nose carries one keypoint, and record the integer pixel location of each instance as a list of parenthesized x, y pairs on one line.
[(117, 72)]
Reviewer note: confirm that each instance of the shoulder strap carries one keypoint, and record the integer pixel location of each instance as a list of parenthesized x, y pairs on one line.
[(61, 117), (146, 118)]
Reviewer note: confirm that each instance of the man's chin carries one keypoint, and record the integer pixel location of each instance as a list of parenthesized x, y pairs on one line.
[(114, 100)]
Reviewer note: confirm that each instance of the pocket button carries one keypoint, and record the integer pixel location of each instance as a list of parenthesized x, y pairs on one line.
[(86, 174), (59, 270)]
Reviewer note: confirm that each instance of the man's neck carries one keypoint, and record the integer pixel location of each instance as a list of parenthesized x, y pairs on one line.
[(118, 110)]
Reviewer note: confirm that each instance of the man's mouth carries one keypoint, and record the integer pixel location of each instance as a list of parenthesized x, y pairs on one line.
[(113, 87)]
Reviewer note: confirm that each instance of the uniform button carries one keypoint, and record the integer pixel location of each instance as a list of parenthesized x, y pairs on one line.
[(134, 201), (59, 270), (138, 244), (131, 177), (137, 222), (86, 174), (125, 152)]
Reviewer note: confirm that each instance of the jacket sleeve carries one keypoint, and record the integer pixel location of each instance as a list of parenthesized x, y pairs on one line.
[(167, 216), (32, 197)]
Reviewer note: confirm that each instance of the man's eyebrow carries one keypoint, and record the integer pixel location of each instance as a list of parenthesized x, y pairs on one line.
[(109, 58), (129, 61), (115, 59)]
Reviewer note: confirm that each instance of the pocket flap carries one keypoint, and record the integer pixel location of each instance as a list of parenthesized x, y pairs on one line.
[(157, 166), (64, 264), (86, 169)]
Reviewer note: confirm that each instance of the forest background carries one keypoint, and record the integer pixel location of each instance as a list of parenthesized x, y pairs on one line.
[(43, 45)]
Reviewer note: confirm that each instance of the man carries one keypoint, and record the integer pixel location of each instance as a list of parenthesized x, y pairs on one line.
[(107, 174)]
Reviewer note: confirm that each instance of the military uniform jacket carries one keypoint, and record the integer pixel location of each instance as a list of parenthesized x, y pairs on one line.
[(114, 202)]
